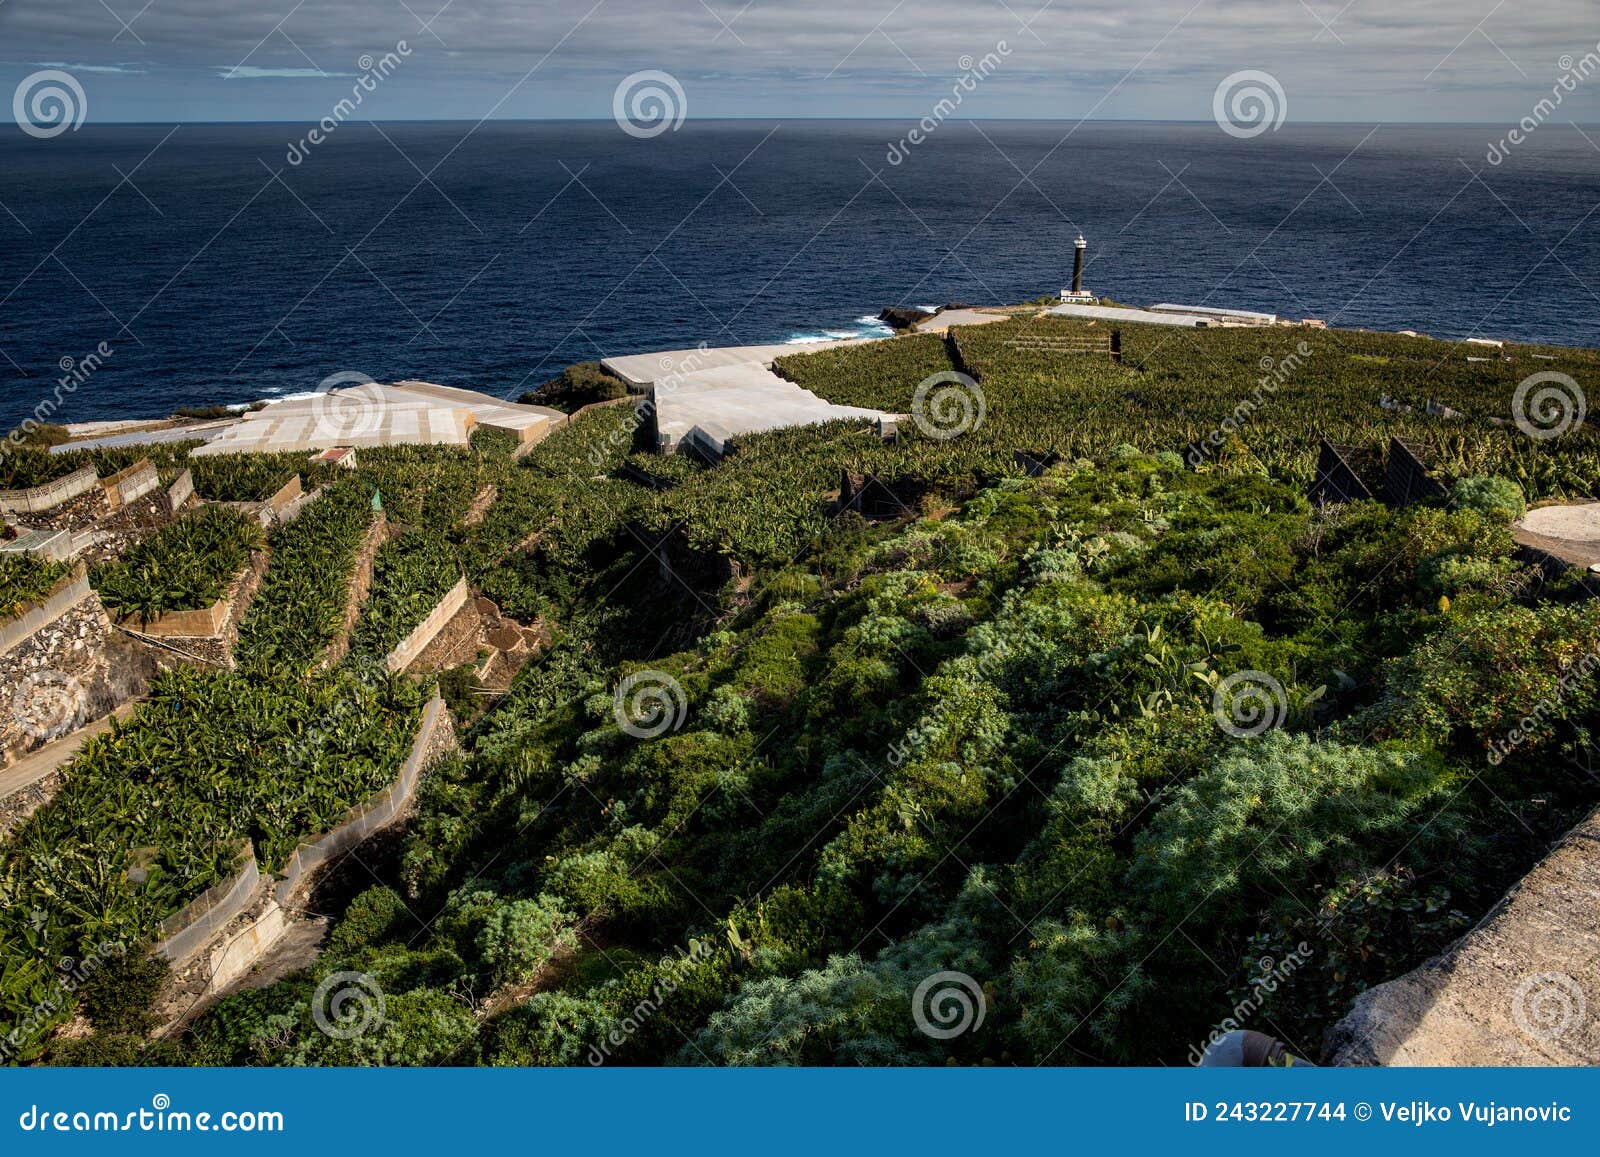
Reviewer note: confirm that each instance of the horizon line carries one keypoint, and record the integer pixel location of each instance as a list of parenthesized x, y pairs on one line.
[(836, 119)]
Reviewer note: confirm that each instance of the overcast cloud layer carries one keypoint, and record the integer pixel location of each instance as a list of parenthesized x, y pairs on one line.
[(1365, 60)]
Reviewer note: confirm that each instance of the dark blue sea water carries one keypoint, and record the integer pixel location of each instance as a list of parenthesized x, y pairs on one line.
[(220, 273)]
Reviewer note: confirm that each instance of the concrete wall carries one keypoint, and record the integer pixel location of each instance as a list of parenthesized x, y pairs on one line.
[(52, 545), (417, 641), (202, 621), (22, 628), (132, 484), (290, 491), (51, 494), (187, 931), (179, 493)]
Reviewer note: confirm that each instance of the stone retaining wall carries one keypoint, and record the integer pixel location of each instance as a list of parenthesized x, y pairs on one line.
[(360, 587)]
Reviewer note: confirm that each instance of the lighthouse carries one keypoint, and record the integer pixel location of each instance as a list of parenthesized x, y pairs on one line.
[(1077, 293)]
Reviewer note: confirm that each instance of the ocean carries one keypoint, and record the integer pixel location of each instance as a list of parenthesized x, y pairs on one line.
[(196, 265)]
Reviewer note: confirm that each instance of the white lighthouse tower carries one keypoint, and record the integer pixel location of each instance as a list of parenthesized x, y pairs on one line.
[(1078, 295)]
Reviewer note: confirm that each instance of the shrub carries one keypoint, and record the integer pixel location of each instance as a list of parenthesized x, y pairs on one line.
[(727, 711), (520, 937), (117, 996), (371, 917), (1496, 498)]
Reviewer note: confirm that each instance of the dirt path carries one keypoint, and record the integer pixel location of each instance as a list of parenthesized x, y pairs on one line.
[(480, 505)]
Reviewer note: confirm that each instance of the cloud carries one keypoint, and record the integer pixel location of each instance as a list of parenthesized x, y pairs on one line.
[(126, 69), (251, 72), (1424, 59)]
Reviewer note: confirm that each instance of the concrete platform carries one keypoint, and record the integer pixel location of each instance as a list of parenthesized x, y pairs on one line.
[(1570, 533)]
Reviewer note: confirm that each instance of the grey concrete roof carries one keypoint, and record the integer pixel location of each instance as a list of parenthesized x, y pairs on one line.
[(408, 413), (1142, 316), (1212, 311), (640, 370), (200, 431), (741, 399)]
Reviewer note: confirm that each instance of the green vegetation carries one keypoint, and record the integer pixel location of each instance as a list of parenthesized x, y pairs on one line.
[(185, 566), (579, 385), (301, 602), (409, 576), (25, 580), (155, 811), (987, 743), (248, 477), (31, 464), (1103, 739)]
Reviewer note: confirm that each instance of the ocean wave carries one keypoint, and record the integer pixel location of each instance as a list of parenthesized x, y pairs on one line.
[(867, 325)]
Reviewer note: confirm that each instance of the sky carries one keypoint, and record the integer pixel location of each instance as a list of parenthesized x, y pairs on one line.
[(294, 60)]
